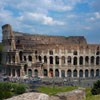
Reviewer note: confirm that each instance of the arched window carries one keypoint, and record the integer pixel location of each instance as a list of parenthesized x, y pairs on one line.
[(25, 69), (51, 72), (56, 73), (92, 73), (62, 73), (98, 53), (30, 58), (57, 60), (86, 73), (87, 60), (75, 73), (40, 59), (69, 60), (45, 59), (92, 60), (81, 73), (75, 60), (97, 60), (97, 73), (45, 72), (81, 60), (62, 60), (69, 73), (24, 58), (36, 72), (51, 59)]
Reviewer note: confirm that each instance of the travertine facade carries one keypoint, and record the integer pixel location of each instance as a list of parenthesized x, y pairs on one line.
[(49, 56)]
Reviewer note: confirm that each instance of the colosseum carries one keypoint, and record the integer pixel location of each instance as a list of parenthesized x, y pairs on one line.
[(48, 56)]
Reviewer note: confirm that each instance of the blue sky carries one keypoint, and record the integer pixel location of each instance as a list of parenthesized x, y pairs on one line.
[(53, 17)]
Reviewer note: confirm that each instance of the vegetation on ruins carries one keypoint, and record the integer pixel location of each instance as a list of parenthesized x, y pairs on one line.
[(8, 89), (96, 88)]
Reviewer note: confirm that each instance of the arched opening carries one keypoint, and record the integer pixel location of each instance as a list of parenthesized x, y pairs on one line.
[(92, 73), (75, 73), (57, 60), (69, 73), (30, 58), (86, 73), (40, 59), (75, 60), (81, 60), (20, 55), (92, 60), (62, 60), (36, 72), (62, 73), (51, 72), (30, 72), (97, 60), (69, 60), (87, 60), (25, 69), (97, 73), (13, 58), (45, 59), (24, 58), (51, 59), (45, 72), (56, 73), (81, 73)]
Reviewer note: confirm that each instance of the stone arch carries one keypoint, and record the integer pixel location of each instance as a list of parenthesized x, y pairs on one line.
[(63, 60), (40, 59), (45, 59), (51, 72), (45, 72), (97, 60), (30, 58), (81, 73), (56, 73), (56, 59), (29, 72), (87, 60), (81, 60), (92, 73), (69, 73), (36, 72), (75, 61), (86, 73), (92, 60), (75, 73), (51, 59), (69, 60), (97, 73), (62, 73)]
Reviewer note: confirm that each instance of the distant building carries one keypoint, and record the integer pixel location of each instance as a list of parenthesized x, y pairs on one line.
[(49, 56)]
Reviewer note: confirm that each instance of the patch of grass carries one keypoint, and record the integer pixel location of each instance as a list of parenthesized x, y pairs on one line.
[(54, 90), (89, 95)]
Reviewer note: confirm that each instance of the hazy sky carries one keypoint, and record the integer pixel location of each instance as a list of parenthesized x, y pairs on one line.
[(53, 17)]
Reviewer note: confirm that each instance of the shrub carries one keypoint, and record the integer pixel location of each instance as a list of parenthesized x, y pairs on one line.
[(20, 89), (96, 88)]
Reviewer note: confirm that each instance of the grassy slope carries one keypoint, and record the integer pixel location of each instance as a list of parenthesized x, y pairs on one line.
[(52, 91)]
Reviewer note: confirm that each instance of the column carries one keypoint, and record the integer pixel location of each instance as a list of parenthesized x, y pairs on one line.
[(60, 73)]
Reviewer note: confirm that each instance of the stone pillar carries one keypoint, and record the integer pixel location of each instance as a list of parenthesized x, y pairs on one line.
[(84, 73), (22, 73), (83, 60), (60, 73), (16, 73), (66, 63), (54, 60), (60, 61), (77, 73), (71, 60), (48, 61)]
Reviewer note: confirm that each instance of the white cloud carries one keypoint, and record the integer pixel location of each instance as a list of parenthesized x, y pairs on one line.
[(97, 15)]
